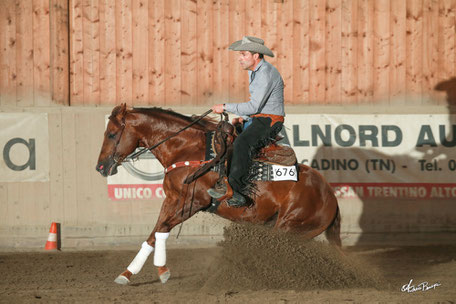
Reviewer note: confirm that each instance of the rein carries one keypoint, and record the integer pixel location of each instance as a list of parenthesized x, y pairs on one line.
[(136, 154), (122, 124)]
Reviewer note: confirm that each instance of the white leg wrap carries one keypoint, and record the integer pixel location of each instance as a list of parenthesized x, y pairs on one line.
[(139, 260), (160, 248)]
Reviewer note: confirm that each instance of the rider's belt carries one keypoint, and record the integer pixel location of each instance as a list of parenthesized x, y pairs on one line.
[(274, 118)]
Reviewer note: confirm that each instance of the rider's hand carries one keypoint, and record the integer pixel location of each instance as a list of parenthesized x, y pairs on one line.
[(218, 108), (237, 120)]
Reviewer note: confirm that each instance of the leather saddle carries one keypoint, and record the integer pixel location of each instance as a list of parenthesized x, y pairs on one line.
[(273, 153), (222, 145)]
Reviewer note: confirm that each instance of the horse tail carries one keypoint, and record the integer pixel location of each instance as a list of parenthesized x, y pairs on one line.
[(333, 231)]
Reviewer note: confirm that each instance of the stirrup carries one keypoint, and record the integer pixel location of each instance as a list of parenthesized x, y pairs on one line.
[(226, 188), (237, 200), (216, 193)]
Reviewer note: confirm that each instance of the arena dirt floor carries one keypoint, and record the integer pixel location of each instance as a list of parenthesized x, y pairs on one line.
[(252, 265)]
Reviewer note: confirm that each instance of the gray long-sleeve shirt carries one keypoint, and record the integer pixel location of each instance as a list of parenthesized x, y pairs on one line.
[(266, 93)]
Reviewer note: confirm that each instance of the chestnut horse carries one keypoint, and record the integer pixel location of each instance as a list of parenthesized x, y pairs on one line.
[(307, 206)]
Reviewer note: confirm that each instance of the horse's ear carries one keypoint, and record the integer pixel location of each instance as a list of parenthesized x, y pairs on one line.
[(123, 109), (119, 111)]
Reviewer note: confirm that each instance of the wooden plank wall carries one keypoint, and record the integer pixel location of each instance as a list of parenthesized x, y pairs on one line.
[(174, 52), (34, 69)]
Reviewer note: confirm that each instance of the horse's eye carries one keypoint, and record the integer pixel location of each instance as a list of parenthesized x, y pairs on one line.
[(112, 135)]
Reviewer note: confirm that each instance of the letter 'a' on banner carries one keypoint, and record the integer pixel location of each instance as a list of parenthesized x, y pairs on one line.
[(24, 147)]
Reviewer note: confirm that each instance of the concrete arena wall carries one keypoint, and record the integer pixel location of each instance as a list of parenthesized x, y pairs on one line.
[(76, 196)]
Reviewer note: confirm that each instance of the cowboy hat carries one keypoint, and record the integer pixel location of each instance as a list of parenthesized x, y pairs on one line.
[(251, 44)]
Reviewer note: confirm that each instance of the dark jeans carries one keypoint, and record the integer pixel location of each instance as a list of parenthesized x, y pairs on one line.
[(258, 135)]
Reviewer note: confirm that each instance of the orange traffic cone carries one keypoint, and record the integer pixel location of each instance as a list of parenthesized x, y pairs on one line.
[(53, 241)]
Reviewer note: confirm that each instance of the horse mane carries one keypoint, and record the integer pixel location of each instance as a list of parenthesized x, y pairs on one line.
[(205, 124)]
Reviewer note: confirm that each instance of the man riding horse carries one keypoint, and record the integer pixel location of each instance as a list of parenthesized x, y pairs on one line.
[(306, 204), (262, 116)]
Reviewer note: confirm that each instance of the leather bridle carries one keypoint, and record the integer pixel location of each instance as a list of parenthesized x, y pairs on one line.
[(122, 125)]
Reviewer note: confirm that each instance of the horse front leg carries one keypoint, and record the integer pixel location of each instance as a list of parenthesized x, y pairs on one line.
[(170, 216), (155, 243), (136, 265), (160, 256)]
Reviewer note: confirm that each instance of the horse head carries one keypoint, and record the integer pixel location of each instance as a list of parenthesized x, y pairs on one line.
[(119, 141)]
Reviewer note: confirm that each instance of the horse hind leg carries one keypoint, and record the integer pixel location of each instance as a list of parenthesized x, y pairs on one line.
[(333, 231), (312, 227)]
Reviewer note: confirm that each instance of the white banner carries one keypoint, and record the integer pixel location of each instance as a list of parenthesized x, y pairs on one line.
[(397, 156), (24, 142), (376, 148)]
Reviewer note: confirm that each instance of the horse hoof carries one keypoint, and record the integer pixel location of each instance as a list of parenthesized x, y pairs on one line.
[(164, 274), (122, 280)]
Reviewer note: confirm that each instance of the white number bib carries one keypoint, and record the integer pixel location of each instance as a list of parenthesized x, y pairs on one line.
[(280, 173)]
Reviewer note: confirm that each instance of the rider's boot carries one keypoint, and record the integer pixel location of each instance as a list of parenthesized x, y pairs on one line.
[(220, 192), (237, 200)]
